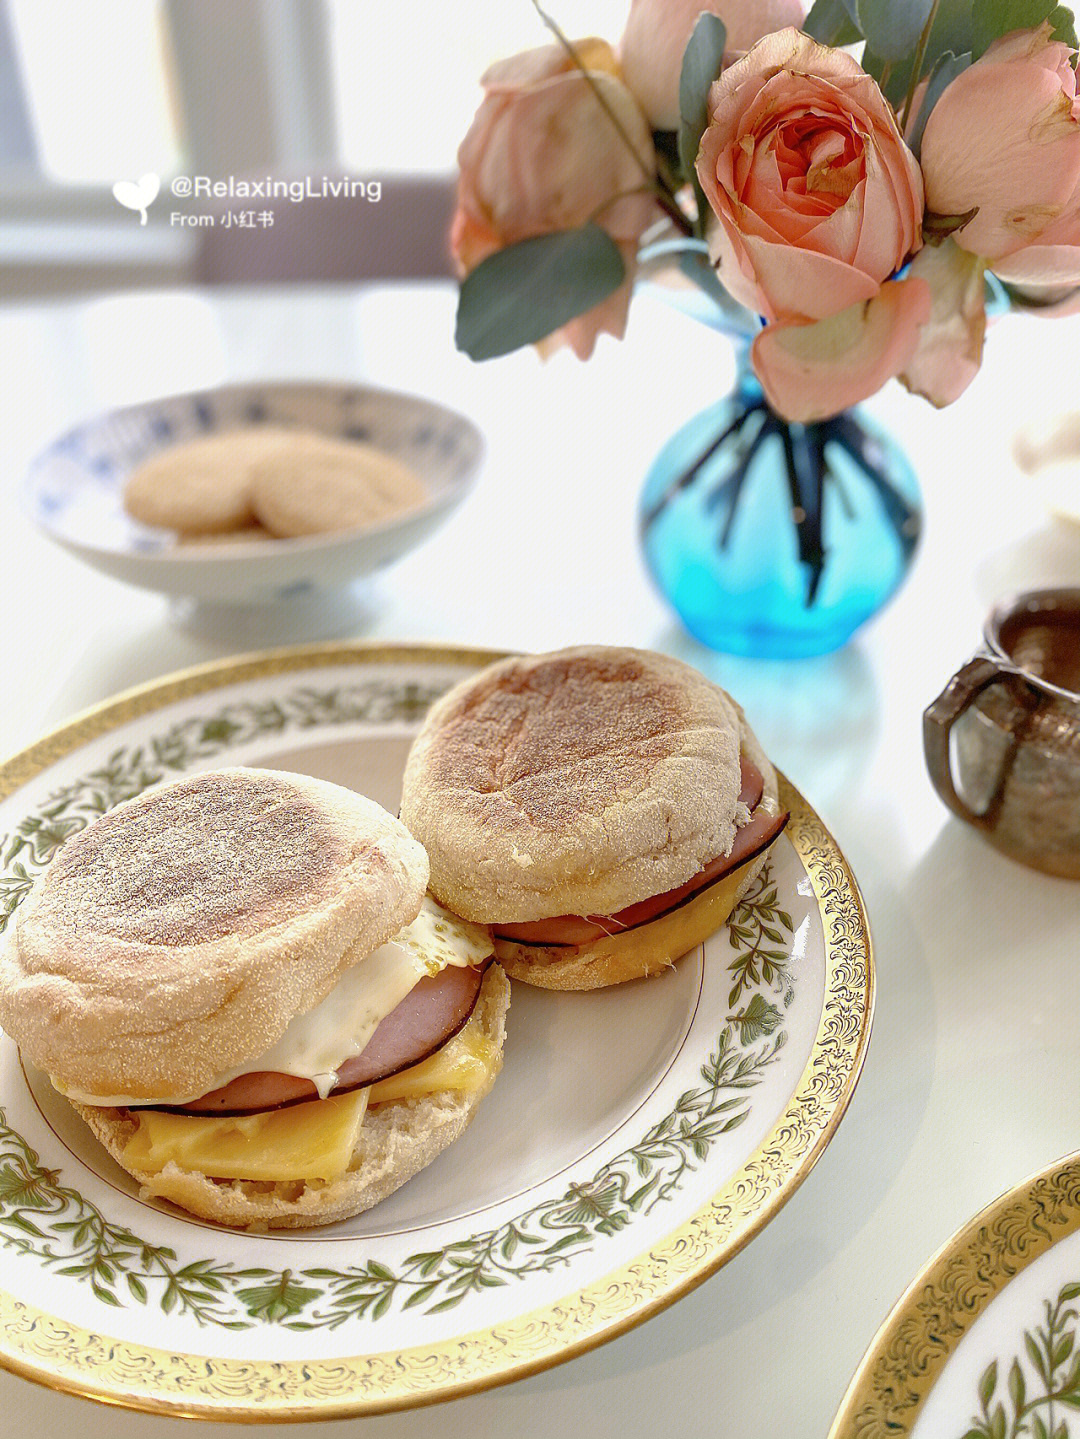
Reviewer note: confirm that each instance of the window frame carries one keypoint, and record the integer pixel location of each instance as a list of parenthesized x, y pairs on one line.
[(254, 93)]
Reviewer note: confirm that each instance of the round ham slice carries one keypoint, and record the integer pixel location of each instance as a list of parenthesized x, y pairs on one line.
[(430, 1015), (571, 930), (751, 783)]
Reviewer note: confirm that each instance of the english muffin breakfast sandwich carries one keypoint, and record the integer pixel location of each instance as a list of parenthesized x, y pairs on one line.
[(240, 984), (601, 809)]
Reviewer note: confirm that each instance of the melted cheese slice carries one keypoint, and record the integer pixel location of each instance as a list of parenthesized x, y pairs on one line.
[(311, 1141), (304, 1142), (317, 1043), (466, 1063), (645, 948)]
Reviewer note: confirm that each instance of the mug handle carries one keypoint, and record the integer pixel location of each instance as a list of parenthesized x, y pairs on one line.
[(939, 719)]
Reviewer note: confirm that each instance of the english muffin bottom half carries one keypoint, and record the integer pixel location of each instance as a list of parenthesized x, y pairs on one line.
[(239, 982), (601, 809)]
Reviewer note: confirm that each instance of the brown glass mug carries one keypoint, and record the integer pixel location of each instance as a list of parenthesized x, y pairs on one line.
[(1002, 740)]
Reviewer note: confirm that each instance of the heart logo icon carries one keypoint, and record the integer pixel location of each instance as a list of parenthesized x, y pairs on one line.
[(137, 194)]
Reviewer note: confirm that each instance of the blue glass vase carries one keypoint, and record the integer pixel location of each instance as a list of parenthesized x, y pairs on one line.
[(778, 540)]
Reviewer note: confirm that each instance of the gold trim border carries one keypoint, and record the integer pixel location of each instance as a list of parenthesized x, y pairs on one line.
[(947, 1296), (64, 1357)]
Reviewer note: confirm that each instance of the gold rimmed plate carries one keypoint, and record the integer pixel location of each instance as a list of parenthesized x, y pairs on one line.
[(637, 1138), (985, 1343)]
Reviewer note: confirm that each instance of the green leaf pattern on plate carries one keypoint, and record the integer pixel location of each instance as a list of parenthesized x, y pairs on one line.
[(759, 931), (1017, 1403), (65, 1231), (127, 772)]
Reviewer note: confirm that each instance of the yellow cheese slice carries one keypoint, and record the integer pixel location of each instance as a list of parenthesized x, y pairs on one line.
[(642, 950), (304, 1141), (465, 1063)]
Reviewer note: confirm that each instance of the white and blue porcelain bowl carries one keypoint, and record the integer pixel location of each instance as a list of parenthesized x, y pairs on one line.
[(74, 490)]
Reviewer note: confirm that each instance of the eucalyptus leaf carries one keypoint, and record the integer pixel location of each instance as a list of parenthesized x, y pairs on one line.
[(893, 79), (951, 30), (832, 22), (892, 27), (1063, 20), (990, 19), (945, 71), (703, 59), (523, 293)]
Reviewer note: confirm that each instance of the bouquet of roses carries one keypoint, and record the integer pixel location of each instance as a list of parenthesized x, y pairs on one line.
[(847, 175)]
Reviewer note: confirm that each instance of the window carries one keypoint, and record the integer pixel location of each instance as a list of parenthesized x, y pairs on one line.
[(95, 82), (406, 77), (95, 91)]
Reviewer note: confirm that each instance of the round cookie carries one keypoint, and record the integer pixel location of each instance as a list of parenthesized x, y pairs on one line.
[(248, 535), (202, 486), (316, 485)]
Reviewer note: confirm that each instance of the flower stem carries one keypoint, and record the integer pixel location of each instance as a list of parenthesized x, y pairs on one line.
[(689, 474), (568, 46), (664, 198), (916, 64)]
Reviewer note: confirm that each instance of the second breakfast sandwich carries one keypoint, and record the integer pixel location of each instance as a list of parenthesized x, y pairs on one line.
[(601, 809), (239, 983)]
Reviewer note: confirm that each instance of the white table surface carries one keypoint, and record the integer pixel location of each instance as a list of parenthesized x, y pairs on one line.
[(973, 1073)]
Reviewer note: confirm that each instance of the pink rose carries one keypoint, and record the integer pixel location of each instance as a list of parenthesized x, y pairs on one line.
[(658, 31), (542, 155), (818, 200), (1004, 140)]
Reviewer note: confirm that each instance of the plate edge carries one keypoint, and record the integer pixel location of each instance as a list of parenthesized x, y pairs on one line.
[(865, 1412)]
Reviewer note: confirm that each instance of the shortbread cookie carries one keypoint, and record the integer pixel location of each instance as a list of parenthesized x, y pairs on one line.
[(227, 537), (317, 485), (202, 486)]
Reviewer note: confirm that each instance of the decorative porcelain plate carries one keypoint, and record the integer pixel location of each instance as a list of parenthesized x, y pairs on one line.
[(637, 1138), (986, 1342)]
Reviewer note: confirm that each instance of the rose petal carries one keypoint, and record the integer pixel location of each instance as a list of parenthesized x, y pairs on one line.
[(530, 67), (608, 318), (1054, 259), (1041, 265), (803, 284), (809, 372), (949, 352)]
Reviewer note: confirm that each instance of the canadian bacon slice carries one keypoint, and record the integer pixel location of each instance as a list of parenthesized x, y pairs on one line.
[(430, 1015), (575, 929), (752, 783)]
